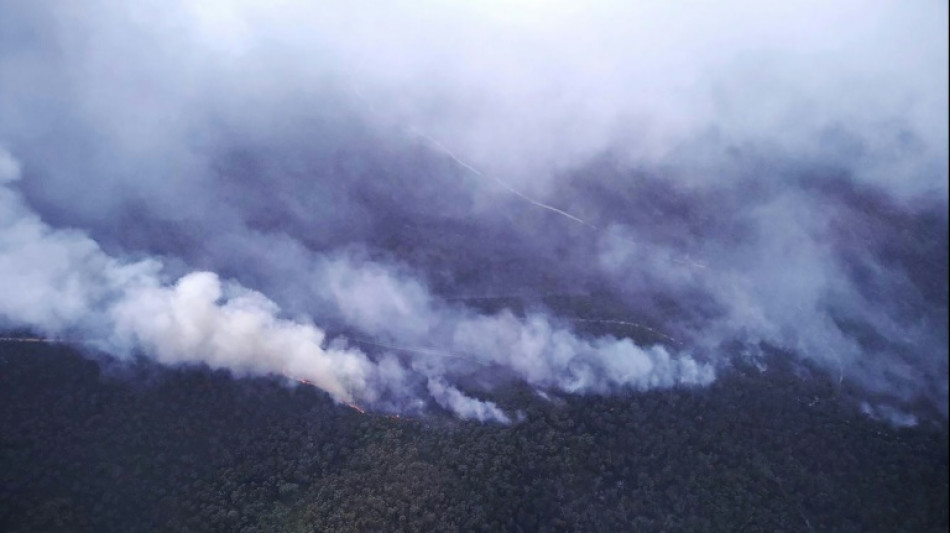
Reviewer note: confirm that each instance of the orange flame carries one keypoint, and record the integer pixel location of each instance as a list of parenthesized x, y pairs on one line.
[(353, 406), (356, 408)]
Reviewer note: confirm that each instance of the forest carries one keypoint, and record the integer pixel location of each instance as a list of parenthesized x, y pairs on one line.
[(92, 444)]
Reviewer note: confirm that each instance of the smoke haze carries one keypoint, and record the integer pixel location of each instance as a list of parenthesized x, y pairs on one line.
[(409, 206)]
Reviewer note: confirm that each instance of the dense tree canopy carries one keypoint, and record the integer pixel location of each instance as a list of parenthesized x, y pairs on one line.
[(87, 446)]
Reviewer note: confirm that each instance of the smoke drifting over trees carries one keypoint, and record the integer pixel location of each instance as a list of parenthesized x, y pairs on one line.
[(408, 206)]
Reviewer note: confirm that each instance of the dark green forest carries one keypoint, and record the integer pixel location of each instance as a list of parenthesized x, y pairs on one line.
[(90, 445)]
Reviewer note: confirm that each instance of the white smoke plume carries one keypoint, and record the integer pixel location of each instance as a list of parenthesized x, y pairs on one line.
[(61, 283), (717, 178)]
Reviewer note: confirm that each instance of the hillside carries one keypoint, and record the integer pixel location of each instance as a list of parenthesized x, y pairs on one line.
[(88, 446)]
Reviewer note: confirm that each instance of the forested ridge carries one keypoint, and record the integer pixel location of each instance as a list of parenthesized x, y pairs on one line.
[(103, 446)]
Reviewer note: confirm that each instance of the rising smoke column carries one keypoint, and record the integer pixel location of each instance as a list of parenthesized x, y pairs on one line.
[(741, 174), (61, 283)]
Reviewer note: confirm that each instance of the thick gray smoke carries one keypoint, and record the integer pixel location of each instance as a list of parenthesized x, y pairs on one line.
[(409, 205), (62, 283)]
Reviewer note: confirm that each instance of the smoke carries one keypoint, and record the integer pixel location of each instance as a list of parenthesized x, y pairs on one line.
[(408, 206), (61, 283)]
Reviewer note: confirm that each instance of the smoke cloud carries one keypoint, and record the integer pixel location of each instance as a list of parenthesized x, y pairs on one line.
[(409, 206)]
